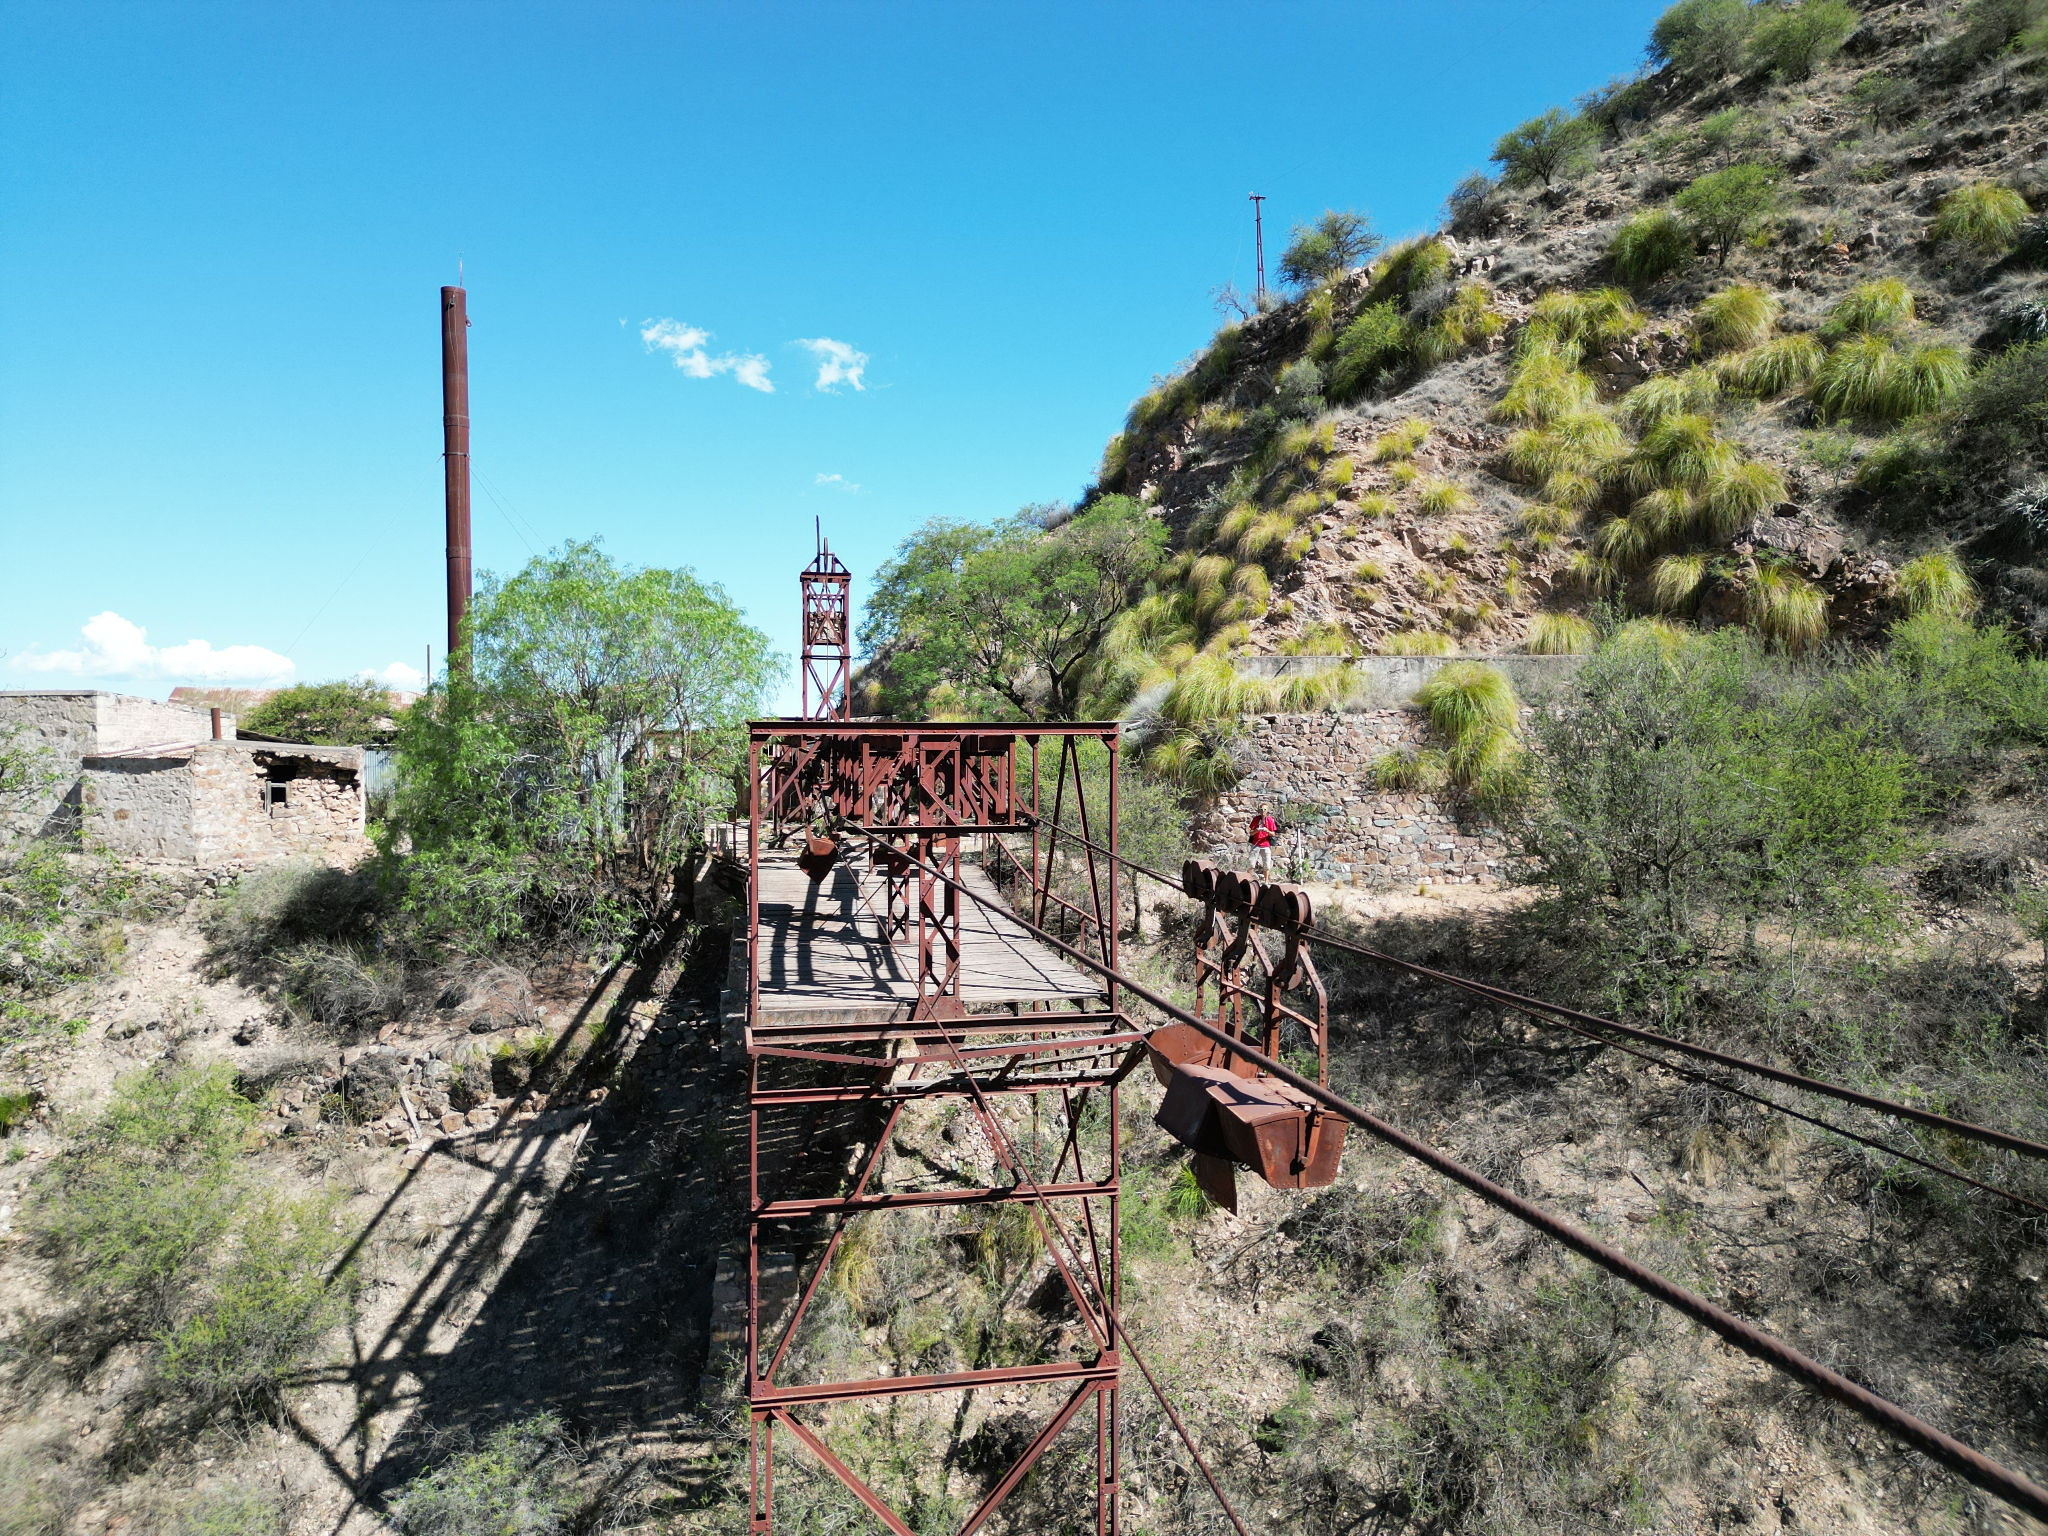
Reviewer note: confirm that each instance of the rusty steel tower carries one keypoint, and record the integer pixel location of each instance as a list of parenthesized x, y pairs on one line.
[(828, 638)]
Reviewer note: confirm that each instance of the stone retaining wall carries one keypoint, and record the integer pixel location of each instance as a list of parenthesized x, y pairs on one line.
[(1314, 770)]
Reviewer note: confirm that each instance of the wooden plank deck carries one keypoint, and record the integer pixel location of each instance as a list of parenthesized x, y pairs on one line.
[(822, 960)]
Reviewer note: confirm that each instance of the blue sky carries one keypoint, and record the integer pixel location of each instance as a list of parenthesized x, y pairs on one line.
[(223, 229)]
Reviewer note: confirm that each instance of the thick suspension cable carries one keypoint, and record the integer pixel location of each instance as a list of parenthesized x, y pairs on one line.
[(1967, 1462), (1545, 1011)]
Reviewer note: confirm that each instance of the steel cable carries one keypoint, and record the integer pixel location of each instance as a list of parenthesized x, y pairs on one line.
[(1964, 1460), (1989, 1135)]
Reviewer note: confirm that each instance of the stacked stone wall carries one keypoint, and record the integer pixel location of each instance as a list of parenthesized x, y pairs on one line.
[(1315, 771), (235, 821), (140, 808)]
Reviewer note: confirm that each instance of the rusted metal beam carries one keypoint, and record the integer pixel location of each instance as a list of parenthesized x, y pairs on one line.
[(765, 1397)]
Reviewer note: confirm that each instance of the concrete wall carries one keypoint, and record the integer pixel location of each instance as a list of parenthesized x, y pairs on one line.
[(1313, 771)]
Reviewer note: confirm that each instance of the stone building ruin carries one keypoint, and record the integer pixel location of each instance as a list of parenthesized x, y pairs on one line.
[(167, 783)]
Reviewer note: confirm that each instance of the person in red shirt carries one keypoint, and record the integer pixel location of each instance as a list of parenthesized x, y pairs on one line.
[(1264, 829)]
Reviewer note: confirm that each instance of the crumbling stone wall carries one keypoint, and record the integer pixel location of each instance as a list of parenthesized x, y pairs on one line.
[(216, 804), (1314, 770), (236, 821)]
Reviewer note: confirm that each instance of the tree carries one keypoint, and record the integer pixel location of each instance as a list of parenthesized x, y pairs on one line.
[(1790, 43), (1723, 207), (1009, 615), (1545, 148), (558, 779), (1702, 39), (1336, 242), (345, 713)]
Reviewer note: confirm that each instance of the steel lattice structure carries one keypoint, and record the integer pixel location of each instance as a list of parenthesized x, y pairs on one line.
[(828, 636), (907, 800)]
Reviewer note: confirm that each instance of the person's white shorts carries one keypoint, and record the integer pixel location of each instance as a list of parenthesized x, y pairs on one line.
[(1262, 858)]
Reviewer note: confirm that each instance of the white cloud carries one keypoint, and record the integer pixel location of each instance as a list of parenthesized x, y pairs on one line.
[(837, 482), (838, 362), (407, 679), (688, 347), (115, 647)]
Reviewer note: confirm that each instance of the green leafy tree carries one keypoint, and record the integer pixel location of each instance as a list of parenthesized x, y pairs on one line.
[(1702, 39), (1010, 616), (1791, 42), (1336, 242), (1546, 148), (346, 712), (1725, 207), (560, 776)]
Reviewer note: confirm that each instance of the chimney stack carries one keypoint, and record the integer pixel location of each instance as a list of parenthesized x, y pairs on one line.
[(455, 444)]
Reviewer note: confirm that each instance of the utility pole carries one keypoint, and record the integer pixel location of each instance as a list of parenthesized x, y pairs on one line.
[(1259, 239), (455, 446)]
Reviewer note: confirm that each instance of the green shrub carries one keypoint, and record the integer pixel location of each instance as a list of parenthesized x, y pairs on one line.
[(1680, 451), (1371, 350), (1990, 27), (1888, 100), (263, 1311), (1880, 308), (1738, 317), (149, 1190), (1772, 368), (1650, 246), (1545, 386), (1790, 44), (1735, 496), (1400, 440), (1561, 634), (1548, 519), (1406, 770), (1375, 504), (349, 712), (1416, 642), (1473, 708), (1784, 607), (1440, 497), (1336, 242), (1725, 207), (1595, 318), (1592, 572), (1467, 320), (518, 1480), (1856, 381), (1925, 378), (1982, 216), (1689, 393), (1675, 581), (1703, 39), (1936, 583), (1336, 472), (1546, 148)]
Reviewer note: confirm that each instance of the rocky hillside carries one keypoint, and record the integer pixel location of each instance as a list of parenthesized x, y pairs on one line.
[(1735, 343)]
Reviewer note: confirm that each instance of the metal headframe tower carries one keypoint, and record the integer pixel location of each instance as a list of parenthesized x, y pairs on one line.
[(828, 641)]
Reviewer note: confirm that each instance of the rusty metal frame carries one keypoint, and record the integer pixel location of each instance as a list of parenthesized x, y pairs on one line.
[(827, 587), (914, 796)]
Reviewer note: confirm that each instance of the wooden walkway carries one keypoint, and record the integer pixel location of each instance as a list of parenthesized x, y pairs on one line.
[(822, 959)]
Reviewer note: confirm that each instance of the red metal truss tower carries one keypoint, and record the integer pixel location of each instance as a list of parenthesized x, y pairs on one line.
[(877, 995), (828, 639)]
